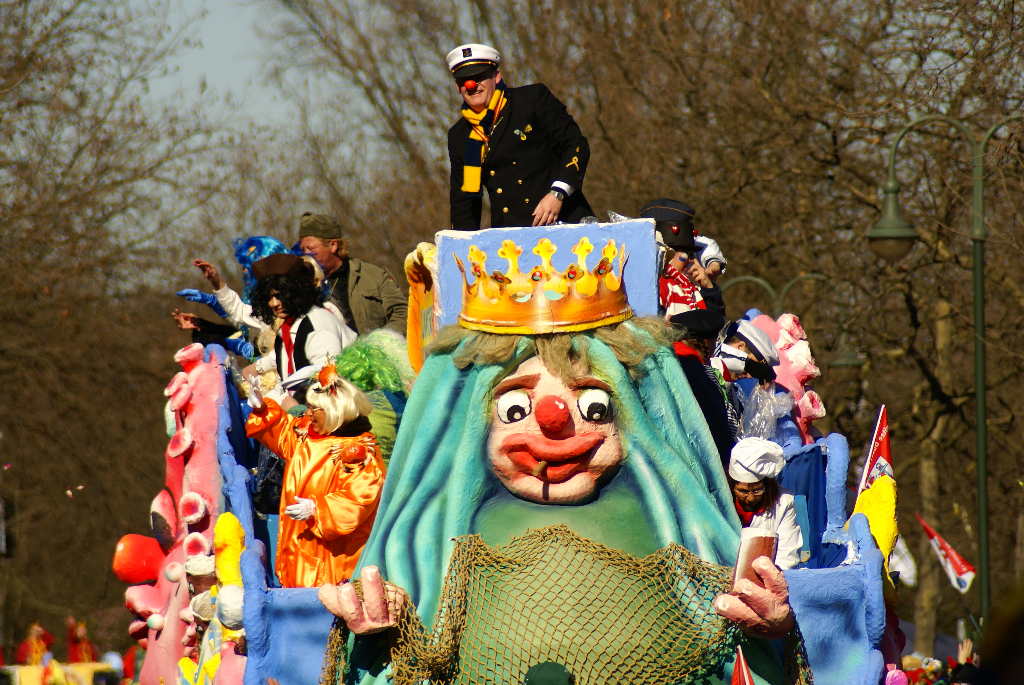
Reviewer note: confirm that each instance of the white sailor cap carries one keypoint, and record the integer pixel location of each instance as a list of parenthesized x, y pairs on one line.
[(757, 341), (472, 59)]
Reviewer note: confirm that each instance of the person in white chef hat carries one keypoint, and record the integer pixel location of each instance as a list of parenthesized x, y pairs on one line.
[(760, 501)]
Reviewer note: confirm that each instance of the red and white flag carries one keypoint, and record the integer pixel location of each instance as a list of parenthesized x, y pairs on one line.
[(879, 459), (741, 674), (959, 571)]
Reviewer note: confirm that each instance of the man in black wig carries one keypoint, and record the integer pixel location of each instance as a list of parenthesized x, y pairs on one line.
[(286, 298)]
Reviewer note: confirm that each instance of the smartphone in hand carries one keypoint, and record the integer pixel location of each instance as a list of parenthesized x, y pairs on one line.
[(754, 543)]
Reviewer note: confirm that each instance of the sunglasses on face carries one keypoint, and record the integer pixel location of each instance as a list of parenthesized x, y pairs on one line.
[(478, 78)]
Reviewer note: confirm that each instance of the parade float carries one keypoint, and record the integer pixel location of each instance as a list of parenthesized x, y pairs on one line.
[(554, 499)]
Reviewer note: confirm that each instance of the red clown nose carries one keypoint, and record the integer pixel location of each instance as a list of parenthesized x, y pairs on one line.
[(470, 84), (552, 414)]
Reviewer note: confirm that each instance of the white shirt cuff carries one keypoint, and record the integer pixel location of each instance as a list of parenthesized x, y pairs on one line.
[(564, 187)]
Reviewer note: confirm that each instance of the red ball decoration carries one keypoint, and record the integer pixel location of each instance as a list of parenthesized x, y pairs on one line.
[(470, 84), (137, 559)]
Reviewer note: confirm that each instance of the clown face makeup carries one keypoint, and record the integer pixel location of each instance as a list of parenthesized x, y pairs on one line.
[(551, 443)]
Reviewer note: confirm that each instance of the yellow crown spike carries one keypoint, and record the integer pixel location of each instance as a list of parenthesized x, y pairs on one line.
[(545, 250), (478, 267), (545, 300), (510, 251), (581, 250), (555, 286), (608, 253), (518, 284), (586, 284), (478, 257)]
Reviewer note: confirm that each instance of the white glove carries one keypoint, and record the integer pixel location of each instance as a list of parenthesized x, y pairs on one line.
[(255, 395), (302, 509)]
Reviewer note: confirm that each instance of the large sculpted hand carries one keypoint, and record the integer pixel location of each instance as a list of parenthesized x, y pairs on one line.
[(762, 612), (380, 608)]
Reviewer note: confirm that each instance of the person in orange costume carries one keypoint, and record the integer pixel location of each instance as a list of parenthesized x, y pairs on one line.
[(332, 480), (81, 650), (35, 646)]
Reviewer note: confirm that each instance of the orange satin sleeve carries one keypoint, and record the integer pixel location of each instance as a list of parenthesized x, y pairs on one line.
[(342, 511), (275, 428)]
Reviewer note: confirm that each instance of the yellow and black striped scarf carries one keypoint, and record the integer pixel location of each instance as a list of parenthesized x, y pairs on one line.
[(481, 125)]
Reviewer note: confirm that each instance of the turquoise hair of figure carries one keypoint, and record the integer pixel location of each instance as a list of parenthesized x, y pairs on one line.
[(248, 251), (440, 476)]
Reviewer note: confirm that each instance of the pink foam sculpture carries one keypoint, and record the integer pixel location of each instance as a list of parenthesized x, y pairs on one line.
[(796, 367), (183, 515)]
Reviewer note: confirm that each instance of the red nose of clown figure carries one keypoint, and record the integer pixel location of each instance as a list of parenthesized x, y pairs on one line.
[(554, 496)]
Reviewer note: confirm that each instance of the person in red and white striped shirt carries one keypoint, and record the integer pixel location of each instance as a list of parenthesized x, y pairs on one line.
[(684, 284)]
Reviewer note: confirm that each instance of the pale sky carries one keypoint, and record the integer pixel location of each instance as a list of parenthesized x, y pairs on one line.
[(230, 58)]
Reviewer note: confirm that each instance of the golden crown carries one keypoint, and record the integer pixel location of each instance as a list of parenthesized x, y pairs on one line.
[(544, 300)]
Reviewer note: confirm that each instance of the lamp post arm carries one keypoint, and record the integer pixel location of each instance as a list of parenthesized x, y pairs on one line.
[(751, 279), (996, 126), (754, 279), (920, 121), (779, 299), (978, 230), (786, 288)]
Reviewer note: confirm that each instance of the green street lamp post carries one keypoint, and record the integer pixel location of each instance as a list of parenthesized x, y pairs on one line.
[(892, 237)]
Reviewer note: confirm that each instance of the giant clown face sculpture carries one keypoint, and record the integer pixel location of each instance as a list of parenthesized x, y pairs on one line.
[(551, 443)]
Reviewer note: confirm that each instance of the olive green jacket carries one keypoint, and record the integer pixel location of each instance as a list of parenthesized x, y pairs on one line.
[(374, 299)]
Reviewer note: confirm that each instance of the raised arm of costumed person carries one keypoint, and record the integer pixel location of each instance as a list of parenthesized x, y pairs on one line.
[(521, 144)]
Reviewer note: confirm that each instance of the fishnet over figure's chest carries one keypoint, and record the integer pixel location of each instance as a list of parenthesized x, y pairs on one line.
[(553, 596)]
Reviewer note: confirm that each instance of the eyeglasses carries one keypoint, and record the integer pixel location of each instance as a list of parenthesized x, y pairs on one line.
[(756, 492)]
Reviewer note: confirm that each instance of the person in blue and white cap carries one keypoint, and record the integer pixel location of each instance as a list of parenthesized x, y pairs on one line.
[(521, 144), (748, 352), (760, 501)]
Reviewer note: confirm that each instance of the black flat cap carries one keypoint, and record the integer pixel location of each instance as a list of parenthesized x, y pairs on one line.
[(674, 221), (699, 323), (665, 209)]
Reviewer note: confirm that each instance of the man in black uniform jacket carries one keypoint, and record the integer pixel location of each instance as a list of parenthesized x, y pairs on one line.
[(700, 328), (520, 143)]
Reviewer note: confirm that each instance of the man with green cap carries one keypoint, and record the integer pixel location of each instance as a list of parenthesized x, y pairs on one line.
[(367, 295)]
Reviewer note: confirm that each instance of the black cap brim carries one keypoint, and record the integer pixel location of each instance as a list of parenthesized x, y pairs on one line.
[(472, 69), (699, 323)]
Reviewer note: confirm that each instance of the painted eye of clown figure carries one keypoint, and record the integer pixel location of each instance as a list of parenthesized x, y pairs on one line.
[(550, 442)]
